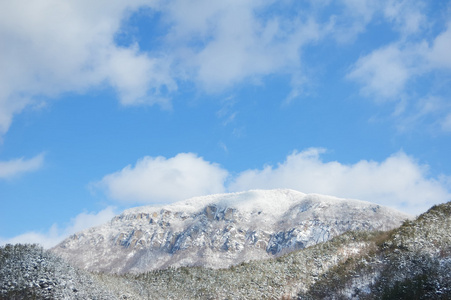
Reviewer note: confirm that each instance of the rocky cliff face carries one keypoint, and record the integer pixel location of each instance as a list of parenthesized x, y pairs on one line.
[(220, 230)]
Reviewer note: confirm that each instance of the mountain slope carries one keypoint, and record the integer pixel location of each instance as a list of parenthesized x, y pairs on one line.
[(220, 230), (410, 262), (29, 272)]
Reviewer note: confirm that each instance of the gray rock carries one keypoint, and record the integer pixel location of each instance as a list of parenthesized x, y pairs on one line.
[(218, 231)]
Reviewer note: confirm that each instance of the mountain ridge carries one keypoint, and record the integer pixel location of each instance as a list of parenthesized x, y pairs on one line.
[(221, 230)]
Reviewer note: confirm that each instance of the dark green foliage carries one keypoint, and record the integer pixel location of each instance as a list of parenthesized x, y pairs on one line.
[(418, 287)]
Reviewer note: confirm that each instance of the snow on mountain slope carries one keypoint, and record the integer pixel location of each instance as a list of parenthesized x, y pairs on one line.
[(220, 230)]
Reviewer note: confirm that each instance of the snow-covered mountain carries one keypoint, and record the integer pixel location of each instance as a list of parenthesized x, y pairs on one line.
[(220, 230), (409, 262)]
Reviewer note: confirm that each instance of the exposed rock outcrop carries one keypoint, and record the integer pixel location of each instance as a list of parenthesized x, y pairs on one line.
[(220, 230)]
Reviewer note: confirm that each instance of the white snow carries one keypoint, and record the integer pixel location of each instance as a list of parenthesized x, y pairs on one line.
[(275, 202), (221, 229)]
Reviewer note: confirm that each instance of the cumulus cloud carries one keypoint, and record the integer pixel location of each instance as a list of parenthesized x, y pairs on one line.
[(16, 167), (50, 47), (55, 234), (398, 181), (160, 179)]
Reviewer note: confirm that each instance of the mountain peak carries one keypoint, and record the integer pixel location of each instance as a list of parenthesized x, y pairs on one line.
[(245, 201), (221, 230)]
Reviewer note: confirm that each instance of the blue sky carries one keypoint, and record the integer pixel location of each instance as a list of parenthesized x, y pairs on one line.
[(105, 106)]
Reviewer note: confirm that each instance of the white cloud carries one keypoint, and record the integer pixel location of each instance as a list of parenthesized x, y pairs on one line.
[(407, 16), (446, 123), (16, 167), (364, 9), (357, 15), (156, 180), (50, 47), (55, 235), (389, 72), (223, 43), (438, 54), (135, 76), (384, 72), (398, 181), (431, 111)]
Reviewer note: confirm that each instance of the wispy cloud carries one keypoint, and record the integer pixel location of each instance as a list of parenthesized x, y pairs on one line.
[(407, 16), (16, 167), (430, 112), (55, 234), (224, 43), (390, 72), (446, 123), (383, 73)]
